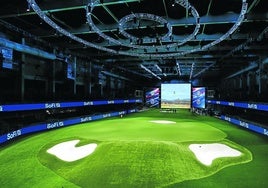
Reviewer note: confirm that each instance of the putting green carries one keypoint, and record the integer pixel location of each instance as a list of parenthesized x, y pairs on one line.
[(132, 152), (137, 164)]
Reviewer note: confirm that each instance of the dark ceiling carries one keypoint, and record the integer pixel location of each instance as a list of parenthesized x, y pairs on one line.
[(150, 56)]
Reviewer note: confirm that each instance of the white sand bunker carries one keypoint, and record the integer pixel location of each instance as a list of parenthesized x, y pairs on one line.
[(163, 121), (67, 151), (206, 153)]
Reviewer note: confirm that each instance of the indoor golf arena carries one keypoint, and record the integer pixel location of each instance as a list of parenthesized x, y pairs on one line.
[(133, 94)]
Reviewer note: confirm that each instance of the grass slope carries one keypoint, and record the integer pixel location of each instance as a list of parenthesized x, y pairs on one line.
[(137, 164), (133, 152)]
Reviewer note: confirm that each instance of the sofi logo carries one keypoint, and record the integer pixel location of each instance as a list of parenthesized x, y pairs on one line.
[(88, 103), (227, 118), (243, 124), (1, 108), (13, 134), (121, 113), (55, 124), (85, 119), (110, 102), (231, 103), (106, 115), (253, 106), (52, 105), (265, 132)]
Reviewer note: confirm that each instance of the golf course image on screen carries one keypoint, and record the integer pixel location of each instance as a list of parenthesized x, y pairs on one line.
[(176, 95)]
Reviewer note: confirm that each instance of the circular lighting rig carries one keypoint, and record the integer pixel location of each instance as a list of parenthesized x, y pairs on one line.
[(166, 38), (143, 16), (135, 49)]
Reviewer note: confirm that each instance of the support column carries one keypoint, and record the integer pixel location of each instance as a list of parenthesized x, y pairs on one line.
[(74, 86), (51, 79), (117, 89), (21, 74), (249, 86), (259, 77), (90, 79), (53, 87), (85, 80), (113, 87), (240, 80)]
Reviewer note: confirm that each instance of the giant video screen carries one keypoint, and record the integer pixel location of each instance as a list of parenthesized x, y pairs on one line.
[(152, 97), (199, 97), (176, 95)]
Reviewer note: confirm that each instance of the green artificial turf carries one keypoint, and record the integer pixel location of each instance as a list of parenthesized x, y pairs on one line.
[(134, 152)]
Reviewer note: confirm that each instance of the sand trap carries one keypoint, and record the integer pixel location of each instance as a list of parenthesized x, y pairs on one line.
[(206, 153), (67, 151), (163, 121)]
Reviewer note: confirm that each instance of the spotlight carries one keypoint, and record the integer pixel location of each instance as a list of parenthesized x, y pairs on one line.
[(28, 8), (174, 3)]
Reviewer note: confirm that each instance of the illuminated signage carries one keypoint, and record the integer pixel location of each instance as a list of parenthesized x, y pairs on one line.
[(85, 119), (52, 105), (254, 106), (13, 134), (40, 106), (55, 125)]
